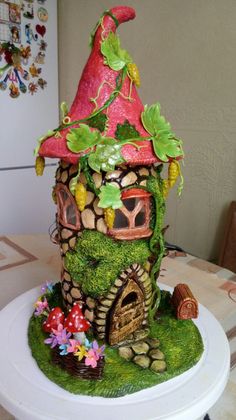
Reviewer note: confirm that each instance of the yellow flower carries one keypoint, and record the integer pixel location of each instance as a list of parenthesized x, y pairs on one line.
[(81, 353)]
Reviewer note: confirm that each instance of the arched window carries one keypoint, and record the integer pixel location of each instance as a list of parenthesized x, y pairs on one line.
[(68, 214), (133, 219)]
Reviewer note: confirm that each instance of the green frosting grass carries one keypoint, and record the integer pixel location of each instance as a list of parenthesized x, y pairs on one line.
[(97, 260), (180, 342)]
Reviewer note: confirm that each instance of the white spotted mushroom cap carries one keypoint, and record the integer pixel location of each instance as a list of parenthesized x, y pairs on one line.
[(75, 321)]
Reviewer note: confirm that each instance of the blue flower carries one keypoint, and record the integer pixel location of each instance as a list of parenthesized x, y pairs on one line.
[(87, 344), (47, 287), (63, 348)]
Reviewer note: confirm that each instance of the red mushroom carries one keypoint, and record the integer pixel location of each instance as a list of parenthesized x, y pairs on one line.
[(76, 323), (55, 317)]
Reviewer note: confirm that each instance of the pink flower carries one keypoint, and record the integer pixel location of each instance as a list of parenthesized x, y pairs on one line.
[(41, 307), (91, 358), (73, 346)]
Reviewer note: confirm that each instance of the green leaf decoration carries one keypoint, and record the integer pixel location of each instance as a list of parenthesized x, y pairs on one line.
[(115, 57), (82, 138), (94, 162), (166, 147), (110, 196), (106, 156), (64, 109), (98, 121), (126, 131), (74, 180), (154, 122), (164, 142), (41, 139)]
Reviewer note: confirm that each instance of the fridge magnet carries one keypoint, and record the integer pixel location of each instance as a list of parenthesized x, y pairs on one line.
[(43, 45), (15, 33), (32, 88), (14, 13), (25, 75), (42, 14), (25, 54), (28, 11), (30, 34), (41, 1), (41, 30), (3, 83), (14, 91), (22, 48), (22, 86), (42, 83), (39, 59), (34, 71)]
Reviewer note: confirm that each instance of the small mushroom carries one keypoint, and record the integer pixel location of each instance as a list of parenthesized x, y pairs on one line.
[(55, 317), (76, 323)]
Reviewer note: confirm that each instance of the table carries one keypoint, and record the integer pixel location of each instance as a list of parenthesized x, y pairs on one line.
[(26, 261)]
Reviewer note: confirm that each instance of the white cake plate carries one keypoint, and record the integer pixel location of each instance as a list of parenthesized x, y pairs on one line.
[(27, 393)]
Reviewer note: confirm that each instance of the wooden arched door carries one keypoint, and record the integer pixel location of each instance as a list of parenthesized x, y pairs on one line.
[(126, 313)]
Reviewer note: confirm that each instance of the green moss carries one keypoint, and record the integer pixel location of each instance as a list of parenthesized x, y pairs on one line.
[(156, 242), (97, 260), (180, 342)]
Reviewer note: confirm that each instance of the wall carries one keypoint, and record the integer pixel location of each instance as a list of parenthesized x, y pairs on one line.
[(185, 51), (26, 203)]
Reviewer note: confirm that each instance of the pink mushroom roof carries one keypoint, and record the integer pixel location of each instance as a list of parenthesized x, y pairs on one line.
[(95, 73)]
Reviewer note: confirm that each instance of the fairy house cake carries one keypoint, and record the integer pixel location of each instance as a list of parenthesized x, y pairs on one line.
[(110, 199)]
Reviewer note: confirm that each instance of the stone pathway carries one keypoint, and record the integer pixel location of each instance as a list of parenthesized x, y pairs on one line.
[(146, 354)]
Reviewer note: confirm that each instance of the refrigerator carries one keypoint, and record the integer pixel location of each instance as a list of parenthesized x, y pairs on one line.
[(28, 109)]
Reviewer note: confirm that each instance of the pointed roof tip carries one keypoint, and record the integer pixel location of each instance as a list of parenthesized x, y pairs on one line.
[(96, 84), (123, 13), (112, 18)]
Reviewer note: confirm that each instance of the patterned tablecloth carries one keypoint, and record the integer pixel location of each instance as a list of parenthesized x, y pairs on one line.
[(29, 260)]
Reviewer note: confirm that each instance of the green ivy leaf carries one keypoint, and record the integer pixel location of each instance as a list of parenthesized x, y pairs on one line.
[(74, 180), (154, 122), (93, 162), (98, 121), (164, 143), (166, 147), (82, 138), (115, 57), (110, 196), (106, 156), (126, 131)]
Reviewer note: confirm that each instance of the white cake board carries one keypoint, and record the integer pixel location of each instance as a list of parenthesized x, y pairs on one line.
[(27, 393)]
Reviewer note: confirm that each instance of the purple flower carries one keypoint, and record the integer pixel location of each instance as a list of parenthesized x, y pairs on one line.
[(41, 307), (98, 350), (62, 335), (51, 340), (58, 337)]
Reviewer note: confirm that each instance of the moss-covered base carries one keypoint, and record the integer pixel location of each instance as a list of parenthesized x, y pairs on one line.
[(180, 342)]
